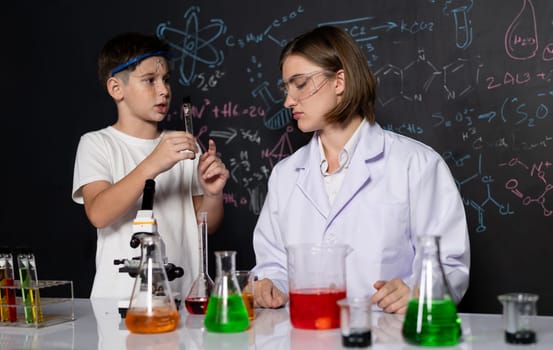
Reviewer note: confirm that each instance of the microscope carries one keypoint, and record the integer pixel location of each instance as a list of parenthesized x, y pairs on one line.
[(145, 225)]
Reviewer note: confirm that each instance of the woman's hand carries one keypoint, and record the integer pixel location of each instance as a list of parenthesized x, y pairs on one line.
[(267, 295), (392, 296)]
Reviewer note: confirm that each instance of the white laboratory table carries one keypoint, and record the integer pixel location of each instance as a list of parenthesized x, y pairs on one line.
[(98, 326)]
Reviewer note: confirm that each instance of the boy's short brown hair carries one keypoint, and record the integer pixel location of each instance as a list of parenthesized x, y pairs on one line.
[(121, 50)]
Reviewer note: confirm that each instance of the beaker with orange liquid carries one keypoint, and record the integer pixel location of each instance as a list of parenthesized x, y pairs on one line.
[(246, 282), (152, 308)]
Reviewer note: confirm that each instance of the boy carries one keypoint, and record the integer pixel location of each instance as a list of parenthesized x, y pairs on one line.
[(112, 165)]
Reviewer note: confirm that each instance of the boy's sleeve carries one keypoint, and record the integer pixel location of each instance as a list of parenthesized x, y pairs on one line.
[(90, 165)]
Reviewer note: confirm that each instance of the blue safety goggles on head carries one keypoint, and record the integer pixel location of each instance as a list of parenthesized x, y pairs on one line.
[(136, 60)]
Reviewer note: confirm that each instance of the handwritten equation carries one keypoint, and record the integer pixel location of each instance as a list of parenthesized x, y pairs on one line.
[(481, 95)]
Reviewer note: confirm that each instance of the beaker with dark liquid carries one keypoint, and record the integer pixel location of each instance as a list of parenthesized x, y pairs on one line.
[(431, 318), (152, 308), (518, 309), (355, 322), (226, 311), (198, 296)]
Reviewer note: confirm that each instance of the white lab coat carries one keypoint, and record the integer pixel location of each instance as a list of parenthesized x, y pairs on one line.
[(395, 189)]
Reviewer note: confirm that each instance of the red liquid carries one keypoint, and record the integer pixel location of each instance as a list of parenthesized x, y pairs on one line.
[(196, 306), (315, 308), (10, 293)]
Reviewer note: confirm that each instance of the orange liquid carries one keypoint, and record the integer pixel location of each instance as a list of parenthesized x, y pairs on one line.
[(162, 319), (248, 301)]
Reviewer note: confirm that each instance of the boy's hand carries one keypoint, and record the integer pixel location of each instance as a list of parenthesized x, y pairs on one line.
[(172, 149), (213, 172)]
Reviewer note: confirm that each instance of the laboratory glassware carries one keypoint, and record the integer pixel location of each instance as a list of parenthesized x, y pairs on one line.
[(317, 280), (246, 280), (198, 296), (431, 318), (226, 311), (186, 114), (518, 308), (8, 311), (355, 321), (152, 308), (28, 279)]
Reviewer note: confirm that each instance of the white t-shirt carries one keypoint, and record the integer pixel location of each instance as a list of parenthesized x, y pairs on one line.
[(109, 155)]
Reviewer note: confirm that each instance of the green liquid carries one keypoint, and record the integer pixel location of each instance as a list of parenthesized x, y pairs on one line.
[(435, 324), (226, 315), (26, 294)]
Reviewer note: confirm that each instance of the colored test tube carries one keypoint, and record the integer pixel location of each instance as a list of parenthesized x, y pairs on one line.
[(29, 287), (8, 311)]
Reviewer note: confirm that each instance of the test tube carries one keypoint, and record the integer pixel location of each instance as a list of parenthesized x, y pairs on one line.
[(28, 280), (8, 312), (186, 114)]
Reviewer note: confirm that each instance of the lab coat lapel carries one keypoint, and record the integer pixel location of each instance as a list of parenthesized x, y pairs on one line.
[(369, 148), (310, 180)]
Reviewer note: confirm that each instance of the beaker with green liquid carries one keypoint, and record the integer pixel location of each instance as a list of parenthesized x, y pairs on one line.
[(226, 311), (431, 318)]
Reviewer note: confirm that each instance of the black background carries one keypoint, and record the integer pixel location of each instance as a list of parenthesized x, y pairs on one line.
[(485, 107)]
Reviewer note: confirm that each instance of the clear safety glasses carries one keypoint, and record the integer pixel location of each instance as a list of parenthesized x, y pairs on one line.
[(302, 86)]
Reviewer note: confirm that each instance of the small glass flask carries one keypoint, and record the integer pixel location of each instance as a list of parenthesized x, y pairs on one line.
[(152, 308), (198, 296), (431, 318), (226, 311)]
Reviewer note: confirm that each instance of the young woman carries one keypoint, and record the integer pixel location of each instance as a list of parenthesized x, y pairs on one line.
[(354, 183)]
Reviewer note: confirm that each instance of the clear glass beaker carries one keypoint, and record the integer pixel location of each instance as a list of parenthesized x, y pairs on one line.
[(431, 318), (152, 308), (517, 311), (246, 280), (317, 280), (226, 311), (198, 296), (355, 322)]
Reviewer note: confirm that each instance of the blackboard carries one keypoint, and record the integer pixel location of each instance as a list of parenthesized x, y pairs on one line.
[(472, 78)]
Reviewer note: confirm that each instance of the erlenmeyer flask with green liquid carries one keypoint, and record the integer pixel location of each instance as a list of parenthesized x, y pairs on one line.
[(431, 318), (226, 311)]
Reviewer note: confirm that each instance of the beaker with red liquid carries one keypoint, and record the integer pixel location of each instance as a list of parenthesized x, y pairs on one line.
[(317, 280)]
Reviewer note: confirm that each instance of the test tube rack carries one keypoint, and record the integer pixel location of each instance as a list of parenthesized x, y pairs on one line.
[(56, 303)]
